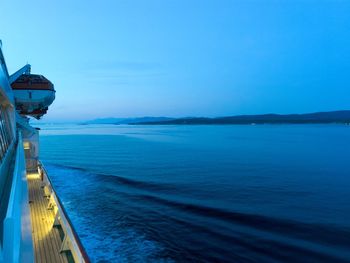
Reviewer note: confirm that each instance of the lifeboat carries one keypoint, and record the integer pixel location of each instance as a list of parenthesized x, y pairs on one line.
[(33, 94)]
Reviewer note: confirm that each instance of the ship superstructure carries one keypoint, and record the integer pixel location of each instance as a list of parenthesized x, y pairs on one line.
[(34, 226)]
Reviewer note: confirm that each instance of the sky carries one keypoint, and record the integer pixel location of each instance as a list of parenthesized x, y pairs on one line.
[(114, 58)]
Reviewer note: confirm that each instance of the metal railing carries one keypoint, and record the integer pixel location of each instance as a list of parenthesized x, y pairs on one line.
[(71, 240), (15, 247), (13, 242)]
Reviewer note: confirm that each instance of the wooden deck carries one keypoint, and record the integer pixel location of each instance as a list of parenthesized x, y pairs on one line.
[(46, 238)]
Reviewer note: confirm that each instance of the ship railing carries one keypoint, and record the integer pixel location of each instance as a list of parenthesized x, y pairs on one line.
[(71, 241), (17, 239)]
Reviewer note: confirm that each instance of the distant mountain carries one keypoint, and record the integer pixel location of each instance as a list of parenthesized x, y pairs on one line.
[(127, 120), (143, 120), (103, 121), (317, 117)]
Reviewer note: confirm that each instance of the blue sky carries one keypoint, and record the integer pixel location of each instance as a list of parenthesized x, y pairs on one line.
[(112, 58)]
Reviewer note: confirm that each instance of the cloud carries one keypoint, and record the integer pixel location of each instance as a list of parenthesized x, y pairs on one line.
[(135, 66), (121, 72)]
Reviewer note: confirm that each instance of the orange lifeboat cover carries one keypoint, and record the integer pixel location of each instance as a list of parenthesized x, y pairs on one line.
[(32, 82)]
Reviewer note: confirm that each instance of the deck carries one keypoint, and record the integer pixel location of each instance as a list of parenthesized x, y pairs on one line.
[(46, 238)]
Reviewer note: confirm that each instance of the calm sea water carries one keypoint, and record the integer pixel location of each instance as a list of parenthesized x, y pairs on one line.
[(269, 193)]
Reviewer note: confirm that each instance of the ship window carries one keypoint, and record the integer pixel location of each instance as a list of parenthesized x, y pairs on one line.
[(6, 133)]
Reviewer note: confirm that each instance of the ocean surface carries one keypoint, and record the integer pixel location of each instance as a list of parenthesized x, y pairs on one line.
[(263, 193)]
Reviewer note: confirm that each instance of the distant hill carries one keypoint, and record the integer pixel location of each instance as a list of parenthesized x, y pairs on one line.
[(317, 117), (127, 120), (103, 121)]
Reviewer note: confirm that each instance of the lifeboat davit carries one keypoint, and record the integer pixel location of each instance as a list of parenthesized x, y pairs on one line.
[(33, 94)]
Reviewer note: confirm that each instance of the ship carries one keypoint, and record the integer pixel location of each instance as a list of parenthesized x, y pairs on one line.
[(34, 225)]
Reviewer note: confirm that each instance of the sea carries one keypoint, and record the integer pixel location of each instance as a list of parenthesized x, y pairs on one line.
[(204, 193)]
